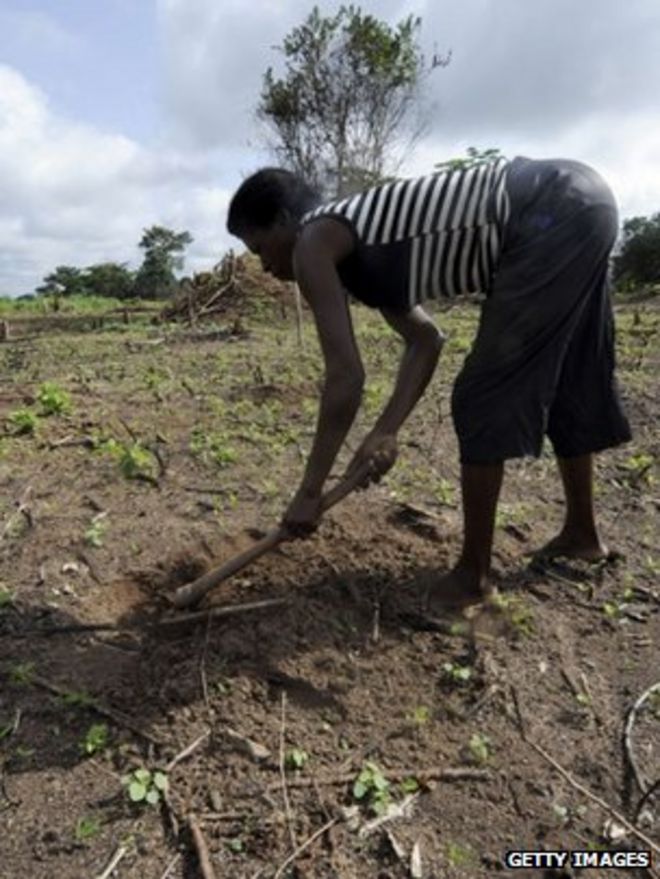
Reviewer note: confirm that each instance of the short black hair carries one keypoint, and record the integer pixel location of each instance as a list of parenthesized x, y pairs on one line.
[(265, 194)]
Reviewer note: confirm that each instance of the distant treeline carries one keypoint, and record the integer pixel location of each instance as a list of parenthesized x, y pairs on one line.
[(155, 279)]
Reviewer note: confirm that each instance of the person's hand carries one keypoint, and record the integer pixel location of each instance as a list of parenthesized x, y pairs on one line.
[(376, 456), (302, 515)]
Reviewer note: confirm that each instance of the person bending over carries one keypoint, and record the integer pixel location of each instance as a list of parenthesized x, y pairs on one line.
[(535, 237)]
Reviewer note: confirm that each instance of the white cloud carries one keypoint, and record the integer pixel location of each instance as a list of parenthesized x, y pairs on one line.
[(71, 194)]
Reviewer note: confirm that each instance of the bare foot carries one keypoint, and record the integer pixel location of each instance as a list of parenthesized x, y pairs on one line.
[(455, 591), (572, 547)]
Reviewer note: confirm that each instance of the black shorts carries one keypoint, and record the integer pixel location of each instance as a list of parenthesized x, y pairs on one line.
[(543, 359)]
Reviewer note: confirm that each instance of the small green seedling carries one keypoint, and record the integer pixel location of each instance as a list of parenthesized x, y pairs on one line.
[(24, 421), (22, 674), (518, 614), (409, 785), (372, 788), (145, 786), (459, 855), (77, 699), (134, 460), (6, 598), (296, 759), (457, 674), (420, 715), (236, 845), (53, 400), (639, 469), (6, 730), (87, 828), (480, 748), (96, 739), (95, 533)]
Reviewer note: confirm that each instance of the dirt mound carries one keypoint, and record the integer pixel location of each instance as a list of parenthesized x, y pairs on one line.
[(235, 286)]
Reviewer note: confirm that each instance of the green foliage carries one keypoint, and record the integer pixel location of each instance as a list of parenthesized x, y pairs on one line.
[(212, 447), (145, 786), (24, 421), (296, 759), (87, 828), (639, 469), (480, 748), (349, 85), (518, 614), (459, 855), (109, 280), (22, 674), (473, 157), (457, 674), (638, 259), (421, 715), (6, 598), (95, 740), (53, 400), (162, 247), (77, 699), (372, 788), (96, 531), (134, 460)]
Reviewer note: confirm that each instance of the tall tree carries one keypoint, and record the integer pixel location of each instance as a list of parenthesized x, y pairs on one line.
[(348, 91), (638, 259), (163, 255), (109, 279)]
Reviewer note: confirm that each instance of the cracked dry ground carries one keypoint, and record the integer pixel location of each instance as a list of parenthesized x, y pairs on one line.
[(345, 676)]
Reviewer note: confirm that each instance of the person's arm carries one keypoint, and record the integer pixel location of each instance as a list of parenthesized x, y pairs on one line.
[(320, 246), (423, 344)]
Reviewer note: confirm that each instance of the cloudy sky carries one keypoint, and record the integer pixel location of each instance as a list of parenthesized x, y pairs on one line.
[(121, 114)]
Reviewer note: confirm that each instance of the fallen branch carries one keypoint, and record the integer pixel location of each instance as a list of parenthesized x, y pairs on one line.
[(172, 864), (228, 610), (576, 785), (647, 796), (118, 856), (627, 735), (203, 856), (187, 751), (304, 846), (179, 619)]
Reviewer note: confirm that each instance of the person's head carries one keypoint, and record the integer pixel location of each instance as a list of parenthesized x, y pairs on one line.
[(265, 212)]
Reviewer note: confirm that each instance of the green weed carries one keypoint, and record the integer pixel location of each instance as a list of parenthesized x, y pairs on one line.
[(96, 531), (372, 788), (22, 674), (459, 855), (24, 421), (146, 787), (456, 674), (87, 828), (516, 612), (480, 748), (95, 740), (296, 759), (53, 399)]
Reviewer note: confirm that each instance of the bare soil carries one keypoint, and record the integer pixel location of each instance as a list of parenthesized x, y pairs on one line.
[(347, 673)]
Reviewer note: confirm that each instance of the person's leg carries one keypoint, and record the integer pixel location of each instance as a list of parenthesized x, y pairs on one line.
[(466, 583), (579, 536)]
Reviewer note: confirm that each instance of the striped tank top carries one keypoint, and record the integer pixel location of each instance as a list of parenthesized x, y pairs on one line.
[(426, 237)]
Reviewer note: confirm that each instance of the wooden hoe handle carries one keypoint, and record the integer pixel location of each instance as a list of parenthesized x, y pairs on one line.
[(191, 593)]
